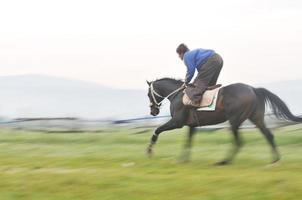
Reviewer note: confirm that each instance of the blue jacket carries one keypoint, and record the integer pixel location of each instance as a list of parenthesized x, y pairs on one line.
[(194, 59)]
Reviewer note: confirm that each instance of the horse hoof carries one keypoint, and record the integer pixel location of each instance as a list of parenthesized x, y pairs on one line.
[(276, 160), (221, 163), (271, 165), (149, 152)]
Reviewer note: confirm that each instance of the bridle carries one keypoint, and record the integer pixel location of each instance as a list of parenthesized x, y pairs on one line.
[(154, 93)]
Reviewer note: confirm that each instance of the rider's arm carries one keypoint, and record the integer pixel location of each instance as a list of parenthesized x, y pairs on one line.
[(189, 62)]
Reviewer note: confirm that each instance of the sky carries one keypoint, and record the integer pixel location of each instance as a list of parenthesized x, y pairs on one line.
[(124, 43)]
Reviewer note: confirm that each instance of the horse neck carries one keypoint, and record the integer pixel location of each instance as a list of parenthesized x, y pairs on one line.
[(165, 88)]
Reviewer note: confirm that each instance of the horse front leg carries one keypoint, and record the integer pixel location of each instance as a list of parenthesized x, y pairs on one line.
[(171, 124), (185, 156)]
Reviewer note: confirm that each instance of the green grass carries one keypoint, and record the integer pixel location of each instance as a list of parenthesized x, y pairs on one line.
[(114, 166)]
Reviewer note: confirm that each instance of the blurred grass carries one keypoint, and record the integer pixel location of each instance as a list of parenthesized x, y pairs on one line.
[(114, 166)]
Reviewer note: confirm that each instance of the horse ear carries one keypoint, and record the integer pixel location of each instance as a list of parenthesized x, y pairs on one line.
[(149, 83)]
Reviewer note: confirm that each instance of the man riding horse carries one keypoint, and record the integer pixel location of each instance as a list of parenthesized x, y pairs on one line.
[(207, 63), (235, 103)]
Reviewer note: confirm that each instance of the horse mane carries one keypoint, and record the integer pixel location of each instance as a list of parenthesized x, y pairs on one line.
[(176, 81)]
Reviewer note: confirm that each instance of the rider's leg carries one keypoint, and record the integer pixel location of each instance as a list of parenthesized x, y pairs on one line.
[(207, 75)]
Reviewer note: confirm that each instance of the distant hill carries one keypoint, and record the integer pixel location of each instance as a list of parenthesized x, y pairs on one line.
[(46, 96)]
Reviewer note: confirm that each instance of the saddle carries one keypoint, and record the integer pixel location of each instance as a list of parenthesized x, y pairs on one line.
[(208, 101)]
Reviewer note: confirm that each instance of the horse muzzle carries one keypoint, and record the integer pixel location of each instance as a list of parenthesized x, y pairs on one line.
[(154, 111)]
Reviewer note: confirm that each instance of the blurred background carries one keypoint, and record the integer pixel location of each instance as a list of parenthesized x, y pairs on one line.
[(91, 60), (72, 67)]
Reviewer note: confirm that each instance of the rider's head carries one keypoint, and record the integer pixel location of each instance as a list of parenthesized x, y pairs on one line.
[(181, 50)]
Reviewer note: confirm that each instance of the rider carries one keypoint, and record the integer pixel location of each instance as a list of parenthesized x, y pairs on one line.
[(207, 63)]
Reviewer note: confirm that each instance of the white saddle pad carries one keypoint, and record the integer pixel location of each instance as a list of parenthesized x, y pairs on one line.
[(208, 102)]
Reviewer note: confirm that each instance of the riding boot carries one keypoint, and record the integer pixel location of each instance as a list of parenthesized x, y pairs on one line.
[(198, 95), (195, 92)]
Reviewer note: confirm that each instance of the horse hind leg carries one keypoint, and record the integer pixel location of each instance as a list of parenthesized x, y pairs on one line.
[(236, 120), (258, 120), (235, 124)]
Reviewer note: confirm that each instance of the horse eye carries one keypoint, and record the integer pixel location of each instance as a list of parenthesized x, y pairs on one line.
[(151, 104)]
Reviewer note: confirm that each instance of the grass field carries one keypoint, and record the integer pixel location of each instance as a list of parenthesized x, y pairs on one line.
[(103, 166)]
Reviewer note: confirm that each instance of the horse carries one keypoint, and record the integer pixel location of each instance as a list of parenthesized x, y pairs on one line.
[(235, 103)]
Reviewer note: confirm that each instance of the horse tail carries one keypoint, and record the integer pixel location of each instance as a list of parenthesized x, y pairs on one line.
[(280, 109)]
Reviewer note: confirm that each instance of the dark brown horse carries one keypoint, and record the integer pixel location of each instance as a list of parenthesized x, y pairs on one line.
[(236, 103)]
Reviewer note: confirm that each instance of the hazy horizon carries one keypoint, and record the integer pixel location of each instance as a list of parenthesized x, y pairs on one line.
[(256, 84), (47, 96)]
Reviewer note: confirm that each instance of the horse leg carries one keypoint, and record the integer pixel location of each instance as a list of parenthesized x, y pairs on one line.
[(268, 136), (171, 124), (238, 113), (237, 145), (185, 156)]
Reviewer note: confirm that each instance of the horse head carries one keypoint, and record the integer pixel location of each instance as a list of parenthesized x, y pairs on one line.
[(159, 90)]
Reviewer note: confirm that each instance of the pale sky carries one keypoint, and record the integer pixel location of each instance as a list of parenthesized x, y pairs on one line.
[(121, 43)]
